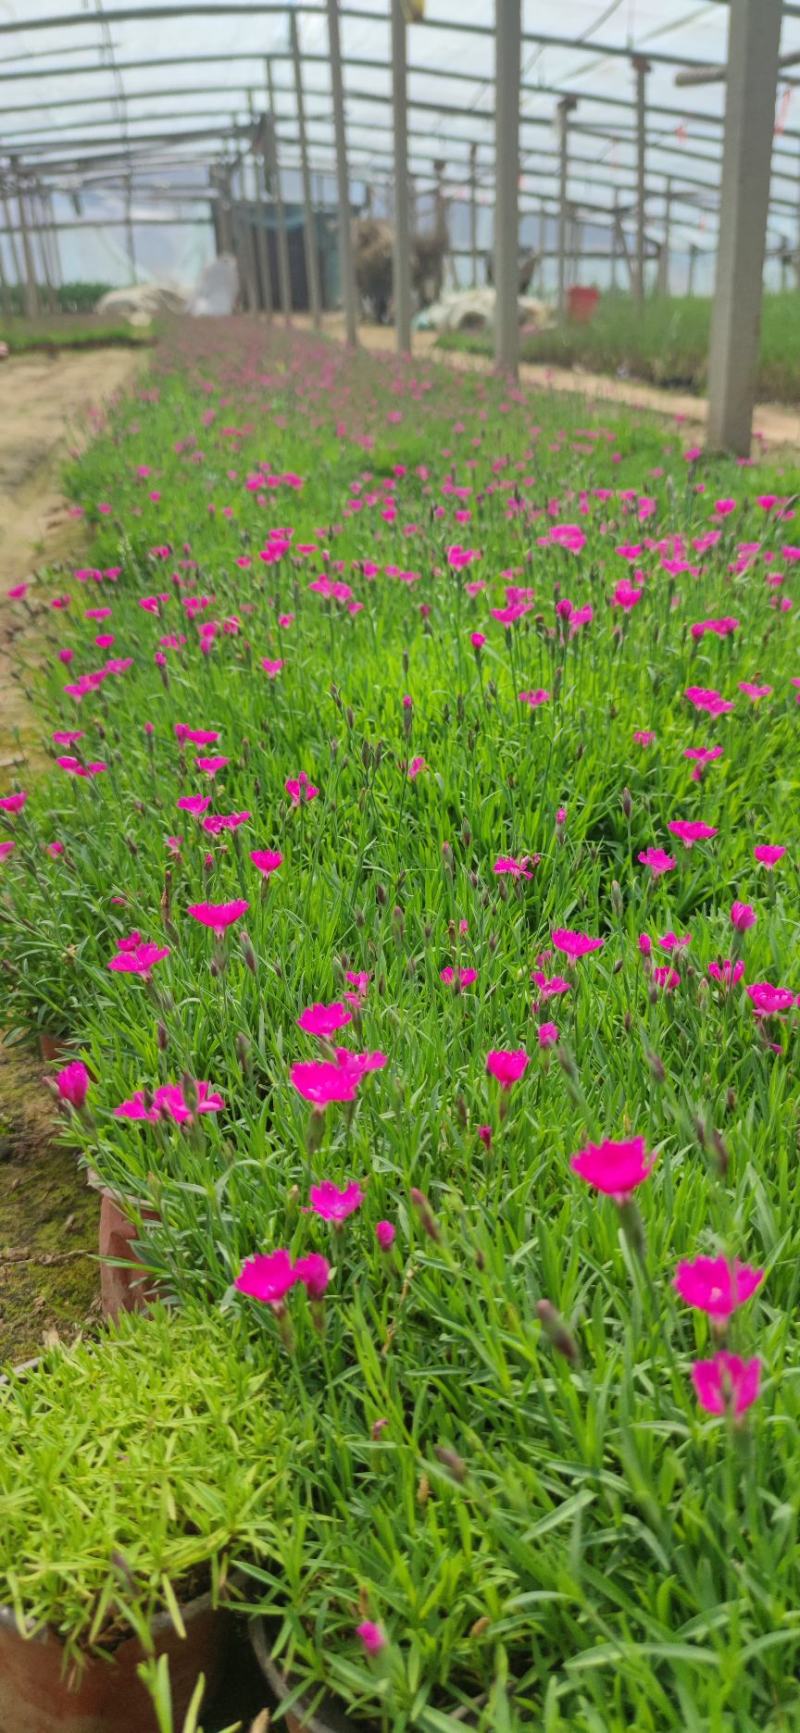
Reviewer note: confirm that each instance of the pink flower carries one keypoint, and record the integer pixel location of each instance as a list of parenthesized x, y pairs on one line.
[(507, 1066), (727, 973), (643, 737), (271, 668), (215, 822), (197, 736), (754, 692), (67, 736), (371, 1635), (666, 978), (768, 854), (12, 802), (726, 1383), (54, 849), (645, 945), (552, 988), (385, 1235), (194, 803), (769, 1001), (267, 860), (73, 1082), (6, 848), (477, 640), (535, 698), (705, 698), (314, 1272), (549, 1035), (299, 789), (691, 831), (716, 1286), (517, 869), (210, 766), (218, 916), (613, 1168), (324, 1020), (672, 942), (335, 1205), (74, 767), (18, 593), (626, 595), (137, 956), (267, 1277), (658, 861), (574, 944), (415, 768), (169, 1102), (321, 1081), (458, 978), (743, 915)]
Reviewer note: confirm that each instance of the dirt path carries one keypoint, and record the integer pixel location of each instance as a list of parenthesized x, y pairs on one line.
[(778, 425), (45, 403), (48, 1217)]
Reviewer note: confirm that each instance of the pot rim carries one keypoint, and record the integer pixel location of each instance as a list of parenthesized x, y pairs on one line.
[(281, 1685), (161, 1622)]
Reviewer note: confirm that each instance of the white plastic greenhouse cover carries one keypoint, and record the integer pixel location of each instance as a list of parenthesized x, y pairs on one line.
[(51, 112)]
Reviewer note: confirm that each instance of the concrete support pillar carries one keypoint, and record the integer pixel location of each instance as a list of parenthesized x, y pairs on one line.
[(284, 272), (262, 242), (754, 33), (402, 236), (346, 266), (508, 44), (565, 107), (473, 214), (641, 69), (309, 224), (30, 299), (663, 263)]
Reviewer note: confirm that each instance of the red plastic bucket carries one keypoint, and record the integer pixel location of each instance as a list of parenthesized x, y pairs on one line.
[(582, 304)]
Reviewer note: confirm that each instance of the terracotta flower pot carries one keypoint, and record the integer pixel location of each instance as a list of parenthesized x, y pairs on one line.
[(109, 1698), (300, 1719), (123, 1288), (52, 1047)]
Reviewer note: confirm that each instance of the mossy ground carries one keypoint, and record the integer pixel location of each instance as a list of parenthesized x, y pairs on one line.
[(49, 1276)]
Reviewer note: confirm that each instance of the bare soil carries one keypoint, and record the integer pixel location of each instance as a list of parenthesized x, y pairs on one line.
[(49, 1276)]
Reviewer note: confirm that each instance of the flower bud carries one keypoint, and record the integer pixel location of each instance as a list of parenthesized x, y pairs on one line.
[(451, 1460), (556, 1331)]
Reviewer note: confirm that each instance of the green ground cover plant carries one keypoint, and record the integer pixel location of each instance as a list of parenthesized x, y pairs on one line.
[(417, 884), (52, 334), (664, 342), (131, 1469)]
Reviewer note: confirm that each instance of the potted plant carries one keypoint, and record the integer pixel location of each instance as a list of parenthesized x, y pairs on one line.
[(130, 1471)]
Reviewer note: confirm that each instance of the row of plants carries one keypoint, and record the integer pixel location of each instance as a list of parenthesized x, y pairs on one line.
[(664, 342), (415, 886)]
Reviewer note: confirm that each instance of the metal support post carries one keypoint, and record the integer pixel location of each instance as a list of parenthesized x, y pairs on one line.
[(508, 45), (262, 241), (641, 69), (663, 263), (342, 179), (754, 33), (309, 225), (284, 273), (402, 237), (473, 211), (565, 107), (31, 293)]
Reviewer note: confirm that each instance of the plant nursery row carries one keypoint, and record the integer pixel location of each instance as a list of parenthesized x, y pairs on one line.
[(412, 907)]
